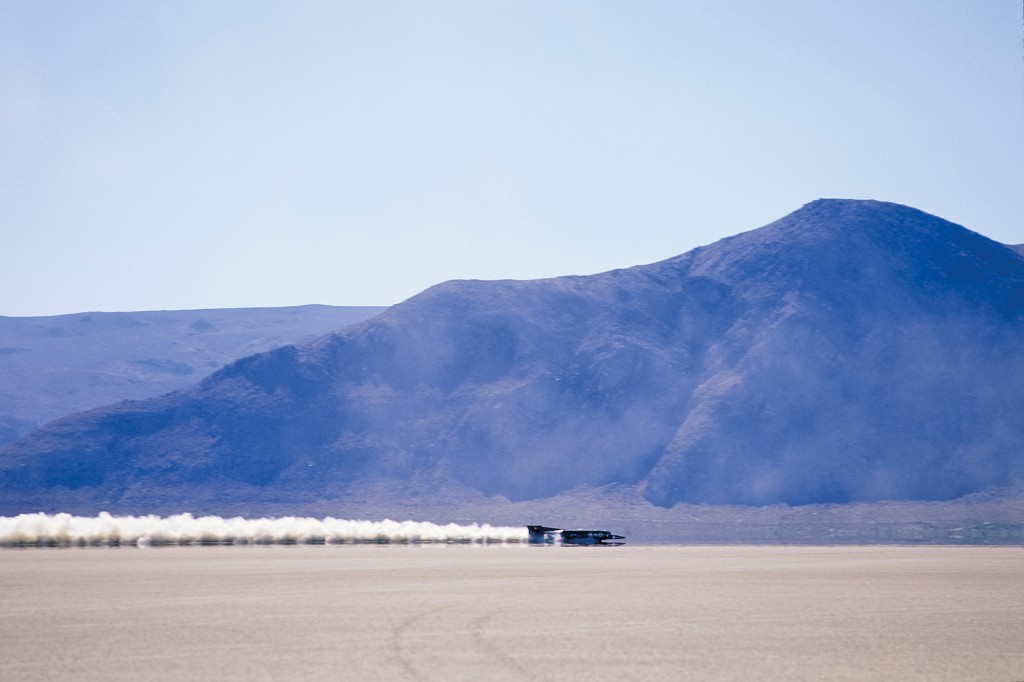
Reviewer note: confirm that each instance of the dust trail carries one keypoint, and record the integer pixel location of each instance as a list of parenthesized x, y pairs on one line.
[(65, 530)]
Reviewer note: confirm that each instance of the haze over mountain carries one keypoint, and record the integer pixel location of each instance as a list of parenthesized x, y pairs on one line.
[(853, 351), (54, 366)]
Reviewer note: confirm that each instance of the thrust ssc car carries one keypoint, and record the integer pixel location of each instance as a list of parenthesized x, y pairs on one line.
[(540, 535)]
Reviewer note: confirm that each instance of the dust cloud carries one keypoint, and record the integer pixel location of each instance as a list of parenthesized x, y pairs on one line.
[(65, 530)]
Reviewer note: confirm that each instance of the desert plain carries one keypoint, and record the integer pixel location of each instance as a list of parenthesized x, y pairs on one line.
[(508, 612)]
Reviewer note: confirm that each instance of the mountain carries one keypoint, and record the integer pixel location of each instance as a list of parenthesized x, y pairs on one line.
[(54, 366), (853, 351)]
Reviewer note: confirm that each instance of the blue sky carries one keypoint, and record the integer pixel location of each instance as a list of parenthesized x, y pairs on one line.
[(170, 155)]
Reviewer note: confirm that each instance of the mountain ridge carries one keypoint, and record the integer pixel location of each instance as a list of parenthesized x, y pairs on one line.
[(852, 351), (57, 365)]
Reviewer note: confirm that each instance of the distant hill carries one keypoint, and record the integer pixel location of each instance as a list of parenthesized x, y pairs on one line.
[(54, 366), (853, 351)]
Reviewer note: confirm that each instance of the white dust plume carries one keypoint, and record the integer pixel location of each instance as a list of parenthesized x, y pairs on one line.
[(65, 530)]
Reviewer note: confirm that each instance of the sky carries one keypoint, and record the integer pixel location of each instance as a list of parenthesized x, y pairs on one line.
[(240, 153)]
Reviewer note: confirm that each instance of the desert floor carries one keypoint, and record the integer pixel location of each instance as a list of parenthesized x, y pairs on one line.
[(513, 613)]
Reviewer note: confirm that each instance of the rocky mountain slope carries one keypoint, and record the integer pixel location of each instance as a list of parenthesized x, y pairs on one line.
[(54, 366), (852, 351)]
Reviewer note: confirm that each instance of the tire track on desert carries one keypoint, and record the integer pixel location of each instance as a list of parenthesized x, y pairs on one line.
[(486, 646), (399, 645)]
